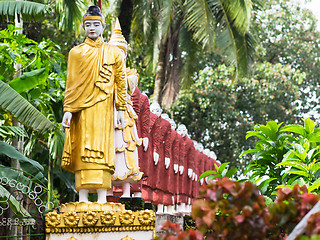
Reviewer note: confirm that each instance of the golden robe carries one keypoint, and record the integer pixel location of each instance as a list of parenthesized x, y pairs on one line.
[(95, 84)]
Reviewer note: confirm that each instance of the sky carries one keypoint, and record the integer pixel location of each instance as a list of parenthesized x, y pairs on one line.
[(314, 6)]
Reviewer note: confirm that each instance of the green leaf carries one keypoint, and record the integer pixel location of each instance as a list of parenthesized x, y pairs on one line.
[(249, 151), (313, 187), (28, 165), (30, 11), (22, 110), (29, 80), (268, 132), (309, 125), (12, 131), (295, 164), (256, 134), (231, 172), (222, 167), (207, 173), (300, 173), (14, 204), (294, 129)]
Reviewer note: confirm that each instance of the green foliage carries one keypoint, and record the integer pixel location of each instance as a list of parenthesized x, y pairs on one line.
[(219, 115), (30, 11), (220, 172), (30, 167), (287, 34), (22, 110), (285, 155)]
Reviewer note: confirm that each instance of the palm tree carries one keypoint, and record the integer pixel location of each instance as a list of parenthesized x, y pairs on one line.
[(221, 25)]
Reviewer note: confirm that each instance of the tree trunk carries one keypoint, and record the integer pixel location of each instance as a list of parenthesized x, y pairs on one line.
[(161, 71), (172, 83)]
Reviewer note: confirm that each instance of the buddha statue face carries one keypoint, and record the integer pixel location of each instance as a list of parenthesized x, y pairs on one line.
[(173, 124), (195, 144), (93, 28), (165, 116), (156, 109), (182, 130), (207, 152), (133, 82), (200, 147)]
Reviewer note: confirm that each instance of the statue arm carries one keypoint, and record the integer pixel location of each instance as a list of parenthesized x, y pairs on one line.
[(120, 82), (167, 142), (145, 116)]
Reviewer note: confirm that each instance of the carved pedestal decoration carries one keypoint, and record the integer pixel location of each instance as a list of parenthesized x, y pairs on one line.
[(104, 221)]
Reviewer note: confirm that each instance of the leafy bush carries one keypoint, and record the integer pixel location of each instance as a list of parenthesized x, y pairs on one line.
[(284, 156), (230, 210)]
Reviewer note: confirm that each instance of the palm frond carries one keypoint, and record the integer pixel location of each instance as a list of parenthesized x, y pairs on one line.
[(70, 14), (22, 110), (30, 11), (33, 168), (200, 18), (238, 12), (238, 50), (12, 131)]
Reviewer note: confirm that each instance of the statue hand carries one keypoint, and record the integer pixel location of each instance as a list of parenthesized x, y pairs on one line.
[(201, 181), (193, 176), (66, 120), (196, 177), (145, 142), (167, 162), (155, 158), (175, 168), (181, 169), (189, 172), (120, 119)]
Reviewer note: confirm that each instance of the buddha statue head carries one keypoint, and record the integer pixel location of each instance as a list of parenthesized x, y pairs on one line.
[(182, 130), (165, 116), (200, 147), (93, 22), (155, 109), (207, 152), (132, 80), (173, 124), (213, 155)]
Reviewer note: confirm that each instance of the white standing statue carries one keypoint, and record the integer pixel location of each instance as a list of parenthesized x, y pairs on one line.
[(127, 141)]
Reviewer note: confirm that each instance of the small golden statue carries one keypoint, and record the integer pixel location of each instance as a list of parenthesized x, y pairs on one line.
[(95, 88)]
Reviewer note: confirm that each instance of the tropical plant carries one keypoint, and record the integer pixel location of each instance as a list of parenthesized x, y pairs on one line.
[(180, 30), (284, 156), (26, 10), (219, 172)]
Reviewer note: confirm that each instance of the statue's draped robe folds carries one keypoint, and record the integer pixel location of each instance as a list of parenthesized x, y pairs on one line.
[(95, 84), (127, 143), (186, 183), (162, 176), (142, 109)]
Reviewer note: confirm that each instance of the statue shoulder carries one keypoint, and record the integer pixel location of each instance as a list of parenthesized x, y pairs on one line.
[(112, 48), (76, 50)]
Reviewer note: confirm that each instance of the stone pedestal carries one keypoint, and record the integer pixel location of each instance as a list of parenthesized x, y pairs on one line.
[(83, 221), (162, 218)]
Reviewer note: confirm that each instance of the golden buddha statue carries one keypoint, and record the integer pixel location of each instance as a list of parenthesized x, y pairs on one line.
[(95, 88)]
